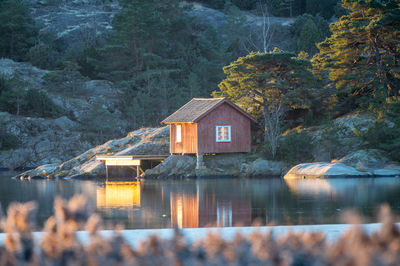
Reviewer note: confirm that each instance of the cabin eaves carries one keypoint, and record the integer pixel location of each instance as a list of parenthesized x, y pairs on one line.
[(197, 108)]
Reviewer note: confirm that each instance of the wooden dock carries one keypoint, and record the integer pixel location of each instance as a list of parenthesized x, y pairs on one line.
[(131, 161)]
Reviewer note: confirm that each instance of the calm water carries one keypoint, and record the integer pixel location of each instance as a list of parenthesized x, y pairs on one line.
[(212, 202)]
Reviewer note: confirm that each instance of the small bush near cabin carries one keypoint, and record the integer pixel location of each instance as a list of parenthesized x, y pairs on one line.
[(296, 147)]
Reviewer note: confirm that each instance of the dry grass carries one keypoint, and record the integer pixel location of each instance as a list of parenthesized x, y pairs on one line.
[(60, 246)]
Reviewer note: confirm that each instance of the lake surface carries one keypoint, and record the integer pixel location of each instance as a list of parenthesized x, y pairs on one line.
[(212, 202)]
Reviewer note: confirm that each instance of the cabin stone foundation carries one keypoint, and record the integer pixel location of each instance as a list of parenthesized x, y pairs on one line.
[(200, 163)]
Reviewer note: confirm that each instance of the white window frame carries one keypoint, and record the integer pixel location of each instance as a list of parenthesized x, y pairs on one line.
[(227, 127), (178, 134)]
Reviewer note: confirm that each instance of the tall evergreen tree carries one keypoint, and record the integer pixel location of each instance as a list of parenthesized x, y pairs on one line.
[(17, 29), (269, 84), (363, 54), (309, 36)]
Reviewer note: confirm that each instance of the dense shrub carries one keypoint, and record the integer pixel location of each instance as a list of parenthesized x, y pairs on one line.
[(296, 147), (68, 79), (38, 103), (11, 95), (61, 246), (307, 31), (17, 29), (329, 140), (7, 140), (383, 136), (14, 99), (94, 127)]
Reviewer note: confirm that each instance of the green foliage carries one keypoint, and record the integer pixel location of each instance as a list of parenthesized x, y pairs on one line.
[(324, 8), (12, 95), (8, 141), (309, 36), (307, 31), (286, 8), (296, 147), (219, 4), (261, 80), (17, 30), (46, 53), (66, 80), (96, 130), (329, 140), (38, 103), (268, 84), (362, 56), (157, 59), (384, 135), (16, 100)]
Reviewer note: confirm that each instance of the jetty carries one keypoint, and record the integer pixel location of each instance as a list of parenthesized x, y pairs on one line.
[(135, 162)]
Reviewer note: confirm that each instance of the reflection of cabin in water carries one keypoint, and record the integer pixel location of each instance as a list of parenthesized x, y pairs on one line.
[(212, 125)]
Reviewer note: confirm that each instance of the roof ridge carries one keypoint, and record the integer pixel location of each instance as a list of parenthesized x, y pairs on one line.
[(208, 99), (197, 108)]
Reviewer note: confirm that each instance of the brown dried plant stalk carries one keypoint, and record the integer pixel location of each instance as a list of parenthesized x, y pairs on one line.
[(61, 246)]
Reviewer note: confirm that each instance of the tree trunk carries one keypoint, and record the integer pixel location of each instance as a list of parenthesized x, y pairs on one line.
[(272, 127)]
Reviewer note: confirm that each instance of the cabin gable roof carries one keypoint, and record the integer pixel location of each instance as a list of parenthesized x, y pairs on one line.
[(197, 108)]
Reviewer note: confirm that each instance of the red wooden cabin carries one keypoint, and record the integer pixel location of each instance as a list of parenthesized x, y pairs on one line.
[(213, 125)]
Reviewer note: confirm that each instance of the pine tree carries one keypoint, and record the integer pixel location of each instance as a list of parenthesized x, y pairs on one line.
[(268, 84), (309, 36), (17, 29), (362, 55)]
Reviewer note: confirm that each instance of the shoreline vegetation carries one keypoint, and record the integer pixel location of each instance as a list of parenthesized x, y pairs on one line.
[(59, 244)]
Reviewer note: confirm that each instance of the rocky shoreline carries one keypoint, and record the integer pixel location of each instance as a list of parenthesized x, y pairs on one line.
[(155, 141)]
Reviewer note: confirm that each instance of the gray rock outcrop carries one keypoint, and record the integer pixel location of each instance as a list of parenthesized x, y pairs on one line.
[(143, 141), (218, 165), (174, 166), (41, 141), (356, 164), (323, 170), (364, 160), (262, 168)]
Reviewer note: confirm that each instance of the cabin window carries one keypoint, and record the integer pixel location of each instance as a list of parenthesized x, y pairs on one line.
[(178, 133), (223, 133)]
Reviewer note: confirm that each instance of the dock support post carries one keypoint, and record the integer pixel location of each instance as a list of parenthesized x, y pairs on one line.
[(200, 162), (137, 171), (107, 172)]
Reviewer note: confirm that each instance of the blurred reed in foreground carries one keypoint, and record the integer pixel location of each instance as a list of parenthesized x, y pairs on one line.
[(60, 246)]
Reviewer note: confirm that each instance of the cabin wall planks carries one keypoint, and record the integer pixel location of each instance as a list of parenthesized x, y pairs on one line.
[(201, 137), (224, 115)]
